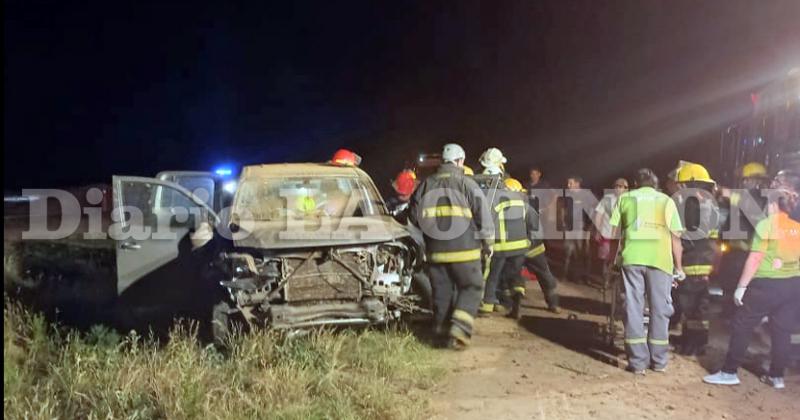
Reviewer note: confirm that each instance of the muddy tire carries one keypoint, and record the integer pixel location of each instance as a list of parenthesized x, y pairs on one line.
[(421, 286), (221, 325)]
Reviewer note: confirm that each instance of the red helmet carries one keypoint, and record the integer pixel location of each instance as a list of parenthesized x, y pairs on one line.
[(345, 157), (405, 182)]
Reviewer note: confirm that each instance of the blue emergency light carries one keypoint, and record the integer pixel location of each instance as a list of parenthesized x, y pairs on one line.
[(223, 171)]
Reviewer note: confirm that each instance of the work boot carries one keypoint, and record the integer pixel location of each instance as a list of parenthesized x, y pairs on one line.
[(554, 309), (500, 308), (516, 306), (459, 340), (456, 344), (486, 309)]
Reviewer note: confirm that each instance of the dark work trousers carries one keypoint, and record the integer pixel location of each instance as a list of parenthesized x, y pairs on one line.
[(496, 284), (693, 301), (730, 268), (547, 281), (779, 299), (457, 289), (493, 279), (575, 259), (511, 279)]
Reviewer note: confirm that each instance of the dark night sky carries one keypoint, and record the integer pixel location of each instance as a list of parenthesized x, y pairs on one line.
[(592, 87)]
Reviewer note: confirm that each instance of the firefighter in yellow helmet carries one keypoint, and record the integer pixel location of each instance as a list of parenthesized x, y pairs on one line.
[(512, 282), (754, 174), (741, 211), (700, 218), (535, 261)]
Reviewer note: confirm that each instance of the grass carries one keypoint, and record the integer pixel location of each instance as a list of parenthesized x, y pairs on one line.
[(50, 372), (53, 372)]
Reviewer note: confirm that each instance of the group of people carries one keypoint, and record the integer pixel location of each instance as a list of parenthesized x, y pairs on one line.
[(481, 229)]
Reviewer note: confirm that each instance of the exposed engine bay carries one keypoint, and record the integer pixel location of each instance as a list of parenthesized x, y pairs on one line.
[(340, 285)]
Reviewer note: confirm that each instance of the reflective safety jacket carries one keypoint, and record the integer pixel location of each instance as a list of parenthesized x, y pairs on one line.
[(742, 212), (700, 217), (453, 215), (515, 221)]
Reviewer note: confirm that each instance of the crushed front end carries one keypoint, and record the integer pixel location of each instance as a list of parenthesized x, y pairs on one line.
[(337, 285)]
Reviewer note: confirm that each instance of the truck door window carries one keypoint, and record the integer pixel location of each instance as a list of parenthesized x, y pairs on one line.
[(149, 205)]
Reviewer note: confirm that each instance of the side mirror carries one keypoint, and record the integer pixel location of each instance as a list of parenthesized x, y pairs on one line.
[(233, 225)]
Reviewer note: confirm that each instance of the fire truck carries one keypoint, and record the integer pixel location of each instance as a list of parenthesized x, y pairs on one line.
[(770, 134)]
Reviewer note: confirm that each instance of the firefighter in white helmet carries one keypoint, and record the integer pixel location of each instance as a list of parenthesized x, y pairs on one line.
[(452, 214), (493, 161)]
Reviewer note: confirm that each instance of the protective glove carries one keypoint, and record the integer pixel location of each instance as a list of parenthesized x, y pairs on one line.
[(679, 275), (738, 296), (487, 250)]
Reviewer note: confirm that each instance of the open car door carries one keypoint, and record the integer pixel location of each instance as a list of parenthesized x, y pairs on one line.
[(156, 222), (205, 185)]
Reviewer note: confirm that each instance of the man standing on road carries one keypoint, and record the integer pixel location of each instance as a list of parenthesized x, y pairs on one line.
[(650, 226), (452, 213), (541, 197), (574, 224), (602, 216)]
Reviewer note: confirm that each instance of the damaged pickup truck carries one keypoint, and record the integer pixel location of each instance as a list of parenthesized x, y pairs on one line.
[(313, 244), (302, 245)]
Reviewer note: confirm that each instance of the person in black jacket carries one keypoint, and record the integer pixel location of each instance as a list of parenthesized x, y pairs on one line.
[(700, 218), (452, 213)]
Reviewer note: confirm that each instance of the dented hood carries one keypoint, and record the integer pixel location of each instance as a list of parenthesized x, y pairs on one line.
[(309, 233)]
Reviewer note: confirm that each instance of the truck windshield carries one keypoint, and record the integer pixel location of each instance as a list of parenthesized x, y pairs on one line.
[(273, 199)]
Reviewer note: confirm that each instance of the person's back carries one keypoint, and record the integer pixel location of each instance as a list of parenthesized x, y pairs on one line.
[(454, 218), (646, 218), (447, 210), (650, 225)]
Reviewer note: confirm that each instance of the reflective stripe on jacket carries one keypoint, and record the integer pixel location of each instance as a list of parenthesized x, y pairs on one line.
[(453, 215), (515, 221), (701, 220)]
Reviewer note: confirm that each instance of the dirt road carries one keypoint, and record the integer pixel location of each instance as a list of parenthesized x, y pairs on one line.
[(541, 368)]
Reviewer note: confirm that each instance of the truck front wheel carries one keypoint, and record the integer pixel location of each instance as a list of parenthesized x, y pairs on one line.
[(224, 323)]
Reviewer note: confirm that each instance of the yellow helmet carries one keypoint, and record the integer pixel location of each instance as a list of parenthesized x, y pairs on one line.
[(468, 171), (754, 170), (513, 185), (689, 171)]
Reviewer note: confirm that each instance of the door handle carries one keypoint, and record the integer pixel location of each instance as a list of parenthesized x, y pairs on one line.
[(130, 246)]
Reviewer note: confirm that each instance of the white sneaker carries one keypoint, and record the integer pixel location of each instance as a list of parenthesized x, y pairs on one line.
[(776, 383), (722, 378)]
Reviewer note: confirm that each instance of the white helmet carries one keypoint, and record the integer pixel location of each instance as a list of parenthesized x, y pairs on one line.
[(493, 158), (452, 152)]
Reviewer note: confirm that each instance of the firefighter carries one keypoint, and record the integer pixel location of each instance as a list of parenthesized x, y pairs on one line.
[(404, 184), (700, 218), (512, 281), (492, 161), (741, 210), (510, 212), (452, 213)]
